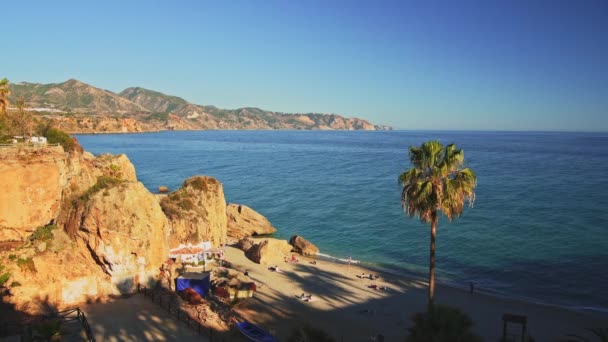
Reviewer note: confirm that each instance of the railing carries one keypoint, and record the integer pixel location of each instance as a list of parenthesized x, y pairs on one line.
[(24, 327), (174, 309), (31, 145)]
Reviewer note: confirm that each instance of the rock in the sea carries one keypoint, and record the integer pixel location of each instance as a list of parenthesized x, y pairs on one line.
[(269, 251), (163, 189), (244, 221), (303, 246), (196, 212)]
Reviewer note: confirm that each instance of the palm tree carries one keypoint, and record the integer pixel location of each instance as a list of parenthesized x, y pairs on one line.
[(5, 91), (436, 184)]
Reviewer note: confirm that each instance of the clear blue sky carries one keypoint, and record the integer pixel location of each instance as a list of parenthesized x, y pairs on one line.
[(495, 65)]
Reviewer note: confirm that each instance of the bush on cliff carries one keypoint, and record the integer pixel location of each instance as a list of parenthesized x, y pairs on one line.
[(43, 233), (4, 276), (103, 183), (57, 136)]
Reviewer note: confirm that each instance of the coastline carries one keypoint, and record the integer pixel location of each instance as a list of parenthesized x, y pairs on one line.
[(422, 280), (347, 308)]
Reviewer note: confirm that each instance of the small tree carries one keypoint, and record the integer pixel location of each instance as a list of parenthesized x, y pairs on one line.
[(21, 121), (442, 324), (5, 91)]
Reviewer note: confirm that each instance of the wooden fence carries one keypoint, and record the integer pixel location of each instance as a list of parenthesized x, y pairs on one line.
[(25, 327), (166, 300)]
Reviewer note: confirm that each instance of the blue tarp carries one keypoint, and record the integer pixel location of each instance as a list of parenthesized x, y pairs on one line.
[(199, 282)]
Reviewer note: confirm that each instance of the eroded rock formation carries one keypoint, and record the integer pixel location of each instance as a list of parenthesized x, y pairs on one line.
[(86, 228), (196, 212), (244, 221), (268, 251), (303, 246)]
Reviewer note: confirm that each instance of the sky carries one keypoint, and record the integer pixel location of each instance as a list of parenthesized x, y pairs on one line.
[(429, 65)]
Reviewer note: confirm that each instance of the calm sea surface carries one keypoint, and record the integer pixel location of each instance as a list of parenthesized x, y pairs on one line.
[(538, 230)]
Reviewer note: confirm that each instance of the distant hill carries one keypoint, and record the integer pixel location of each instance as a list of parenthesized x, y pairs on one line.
[(153, 100), (74, 96), (79, 107)]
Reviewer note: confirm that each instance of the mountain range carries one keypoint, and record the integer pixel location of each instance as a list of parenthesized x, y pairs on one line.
[(79, 107)]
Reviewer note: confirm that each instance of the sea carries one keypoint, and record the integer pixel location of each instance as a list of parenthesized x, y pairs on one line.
[(538, 230)]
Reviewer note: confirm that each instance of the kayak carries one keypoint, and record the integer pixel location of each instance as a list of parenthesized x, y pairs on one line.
[(254, 333)]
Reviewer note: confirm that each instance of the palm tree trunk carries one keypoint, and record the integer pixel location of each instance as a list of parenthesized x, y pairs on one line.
[(432, 260)]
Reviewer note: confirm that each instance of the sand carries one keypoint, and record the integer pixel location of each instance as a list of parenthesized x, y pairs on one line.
[(136, 319), (344, 306)]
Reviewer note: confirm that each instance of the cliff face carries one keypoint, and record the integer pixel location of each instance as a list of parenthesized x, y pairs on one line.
[(87, 229), (34, 183), (196, 212), (125, 231), (107, 233)]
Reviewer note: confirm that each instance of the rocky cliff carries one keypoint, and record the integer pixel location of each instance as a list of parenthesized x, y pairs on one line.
[(34, 182), (196, 212), (85, 228), (75, 227)]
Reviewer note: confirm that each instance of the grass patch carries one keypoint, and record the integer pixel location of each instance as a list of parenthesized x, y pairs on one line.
[(26, 264), (103, 183), (186, 204), (44, 233), (197, 183), (4, 276)]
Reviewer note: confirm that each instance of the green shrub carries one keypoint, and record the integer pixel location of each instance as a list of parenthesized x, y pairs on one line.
[(49, 330), (4, 276), (12, 257), (103, 183), (43, 233), (442, 323), (198, 183), (57, 136), (186, 204), (26, 264), (15, 284), (308, 333)]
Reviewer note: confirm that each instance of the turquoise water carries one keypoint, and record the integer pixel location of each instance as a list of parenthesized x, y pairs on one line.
[(538, 230)]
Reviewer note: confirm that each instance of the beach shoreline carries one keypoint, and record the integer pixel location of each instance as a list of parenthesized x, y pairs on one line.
[(347, 308), (422, 280)]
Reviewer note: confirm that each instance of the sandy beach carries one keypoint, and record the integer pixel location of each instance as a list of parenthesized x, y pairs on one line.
[(347, 308)]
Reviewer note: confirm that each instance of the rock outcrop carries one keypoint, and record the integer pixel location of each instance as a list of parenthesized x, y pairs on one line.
[(244, 221), (268, 251), (87, 228), (196, 212), (303, 246), (125, 230), (34, 183), (245, 244)]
